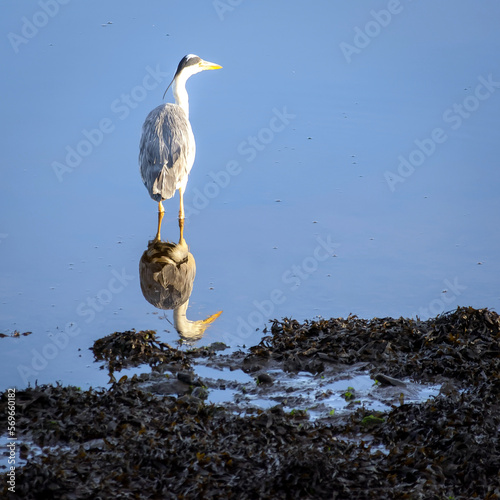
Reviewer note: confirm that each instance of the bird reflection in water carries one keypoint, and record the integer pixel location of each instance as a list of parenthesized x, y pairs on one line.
[(167, 271)]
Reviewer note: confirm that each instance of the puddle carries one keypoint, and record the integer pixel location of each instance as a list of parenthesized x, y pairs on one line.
[(10, 455), (221, 396), (318, 396), (235, 375), (25, 450)]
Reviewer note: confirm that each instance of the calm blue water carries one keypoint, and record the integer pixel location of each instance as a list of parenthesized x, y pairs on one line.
[(346, 163)]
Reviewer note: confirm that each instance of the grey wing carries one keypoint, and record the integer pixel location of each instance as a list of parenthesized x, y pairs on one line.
[(166, 150)]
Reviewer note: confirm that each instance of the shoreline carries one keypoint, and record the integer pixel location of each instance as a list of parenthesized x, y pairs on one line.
[(157, 435)]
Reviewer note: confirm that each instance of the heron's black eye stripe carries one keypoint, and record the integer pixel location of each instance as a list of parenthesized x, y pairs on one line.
[(187, 61), (192, 60)]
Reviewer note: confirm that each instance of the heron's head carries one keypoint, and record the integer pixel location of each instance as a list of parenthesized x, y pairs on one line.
[(189, 66), (191, 331)]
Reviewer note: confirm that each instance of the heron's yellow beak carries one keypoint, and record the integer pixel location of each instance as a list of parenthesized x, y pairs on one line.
[(209, 65)]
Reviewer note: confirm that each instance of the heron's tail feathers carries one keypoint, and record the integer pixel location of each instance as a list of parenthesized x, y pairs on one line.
[(164, 185)]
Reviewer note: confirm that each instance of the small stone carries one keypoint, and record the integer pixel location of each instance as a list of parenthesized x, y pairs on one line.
[(264, 378), (186, 377), (386, 380), (200, 393)]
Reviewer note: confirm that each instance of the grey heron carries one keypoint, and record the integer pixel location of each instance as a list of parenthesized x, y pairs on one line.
[(167, 148), (167, 271)]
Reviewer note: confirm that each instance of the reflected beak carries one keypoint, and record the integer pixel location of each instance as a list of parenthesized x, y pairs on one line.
[(212, 318), (209, 65)]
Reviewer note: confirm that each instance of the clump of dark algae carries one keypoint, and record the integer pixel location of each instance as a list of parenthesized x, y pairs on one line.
[(131, 348), (463, 345), (125, 442)]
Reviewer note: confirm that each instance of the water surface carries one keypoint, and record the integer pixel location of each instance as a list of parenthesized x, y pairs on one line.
[(346, 163)]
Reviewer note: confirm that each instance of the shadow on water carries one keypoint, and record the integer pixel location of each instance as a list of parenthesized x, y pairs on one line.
[(167, 271)]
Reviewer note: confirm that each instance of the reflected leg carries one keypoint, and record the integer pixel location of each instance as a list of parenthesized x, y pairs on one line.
[(181, 230), (160, 218)]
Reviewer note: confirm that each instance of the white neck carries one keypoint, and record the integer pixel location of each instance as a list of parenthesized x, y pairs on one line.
[(180, 320), (187, 329), (180, 92), (191, 330)]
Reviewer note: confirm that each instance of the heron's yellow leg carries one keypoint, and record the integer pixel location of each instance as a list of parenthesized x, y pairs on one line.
[(160, 217), (160, 208), (181, 204)]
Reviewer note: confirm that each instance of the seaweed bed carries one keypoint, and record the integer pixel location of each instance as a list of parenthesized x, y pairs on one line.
[(131, 442)]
